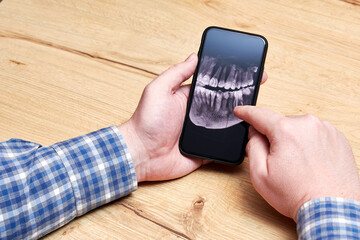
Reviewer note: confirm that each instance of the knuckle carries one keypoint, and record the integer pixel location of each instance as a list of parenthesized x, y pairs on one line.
[(148, 87), (257, 177), (285, 126), (327, 123), (329, 126), (341, 135), (252, 144), (312, 119), (171, 69), (175, 70), (249, 146), (175, 67), (313, 123), (254, 177)]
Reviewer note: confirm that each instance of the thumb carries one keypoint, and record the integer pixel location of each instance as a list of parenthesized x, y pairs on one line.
[(257, 150), (175, 75)]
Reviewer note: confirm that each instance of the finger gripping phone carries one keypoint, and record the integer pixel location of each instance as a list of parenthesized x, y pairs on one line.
[(228, 74)]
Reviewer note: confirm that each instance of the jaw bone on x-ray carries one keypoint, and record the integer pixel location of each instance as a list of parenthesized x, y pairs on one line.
[(221, 85)]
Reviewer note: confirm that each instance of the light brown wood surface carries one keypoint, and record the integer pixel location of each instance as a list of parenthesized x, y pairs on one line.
[(71, 67)]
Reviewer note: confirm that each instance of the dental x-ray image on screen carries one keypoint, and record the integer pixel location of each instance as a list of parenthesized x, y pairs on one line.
[(228, 75), (221, 85)]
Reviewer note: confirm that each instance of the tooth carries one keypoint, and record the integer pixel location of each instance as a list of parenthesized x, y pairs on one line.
[(213, 82), (231, 74), (239, 78), (226, 100), (246, 91), (205, 80), (250, 81), (203, 97), (214, 79), (248, 77), (210, 66), (221, 83), (231, 77), (208, 62), (238, 96), (212, 95), (238, 86), (233, 99), (251, 75), (207, 96), (217, 73), (196, 95), (199, 79), (247, 97), (207, 73), (222, 78), (234, 103), (251, 89), (218, 101), (233, 85), (244, 79), (227, 85)]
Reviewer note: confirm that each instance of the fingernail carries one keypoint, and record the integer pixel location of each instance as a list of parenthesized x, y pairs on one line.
[(190, 58)]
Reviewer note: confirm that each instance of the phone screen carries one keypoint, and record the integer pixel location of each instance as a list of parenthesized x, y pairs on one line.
[(228, 74)]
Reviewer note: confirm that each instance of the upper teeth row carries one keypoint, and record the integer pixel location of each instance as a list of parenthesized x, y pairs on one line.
[(236, 79), (232, 82)]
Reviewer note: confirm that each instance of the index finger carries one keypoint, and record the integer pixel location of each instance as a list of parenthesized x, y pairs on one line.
[(262, 119)]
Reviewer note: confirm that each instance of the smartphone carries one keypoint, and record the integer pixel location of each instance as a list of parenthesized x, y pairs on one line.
[(228, 74)]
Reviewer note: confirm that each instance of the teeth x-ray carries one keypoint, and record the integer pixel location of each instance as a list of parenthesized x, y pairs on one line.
[(221, 85), (228, 75)]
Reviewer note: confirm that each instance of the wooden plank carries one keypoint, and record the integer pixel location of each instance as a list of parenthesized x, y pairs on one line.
[(70, 67)]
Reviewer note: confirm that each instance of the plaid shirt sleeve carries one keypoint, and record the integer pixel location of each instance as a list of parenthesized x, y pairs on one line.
[(43, 188), (329, 218)]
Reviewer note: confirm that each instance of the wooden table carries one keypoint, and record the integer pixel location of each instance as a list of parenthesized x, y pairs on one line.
[(71, 67)]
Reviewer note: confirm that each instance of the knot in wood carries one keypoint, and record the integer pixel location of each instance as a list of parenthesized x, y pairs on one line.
[(199, 203)]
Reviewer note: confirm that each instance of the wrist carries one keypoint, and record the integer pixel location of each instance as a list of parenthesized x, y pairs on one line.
[(136, 148)]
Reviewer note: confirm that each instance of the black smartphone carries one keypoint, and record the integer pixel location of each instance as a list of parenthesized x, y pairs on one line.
[(228, 74)]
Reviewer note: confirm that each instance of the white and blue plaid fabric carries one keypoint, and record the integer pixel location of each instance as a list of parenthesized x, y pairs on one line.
[(43, 188), (329, 218)]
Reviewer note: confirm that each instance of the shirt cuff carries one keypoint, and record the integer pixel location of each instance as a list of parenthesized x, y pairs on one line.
[(99, 168), (329, 218)]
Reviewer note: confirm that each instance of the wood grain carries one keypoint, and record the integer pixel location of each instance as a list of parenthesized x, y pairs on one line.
[(70, 67)]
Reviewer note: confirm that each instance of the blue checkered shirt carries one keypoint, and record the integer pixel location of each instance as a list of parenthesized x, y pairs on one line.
[(43, 188), (329, 218)]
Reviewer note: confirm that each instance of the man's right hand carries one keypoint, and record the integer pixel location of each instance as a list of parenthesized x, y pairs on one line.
[(298, 158)]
